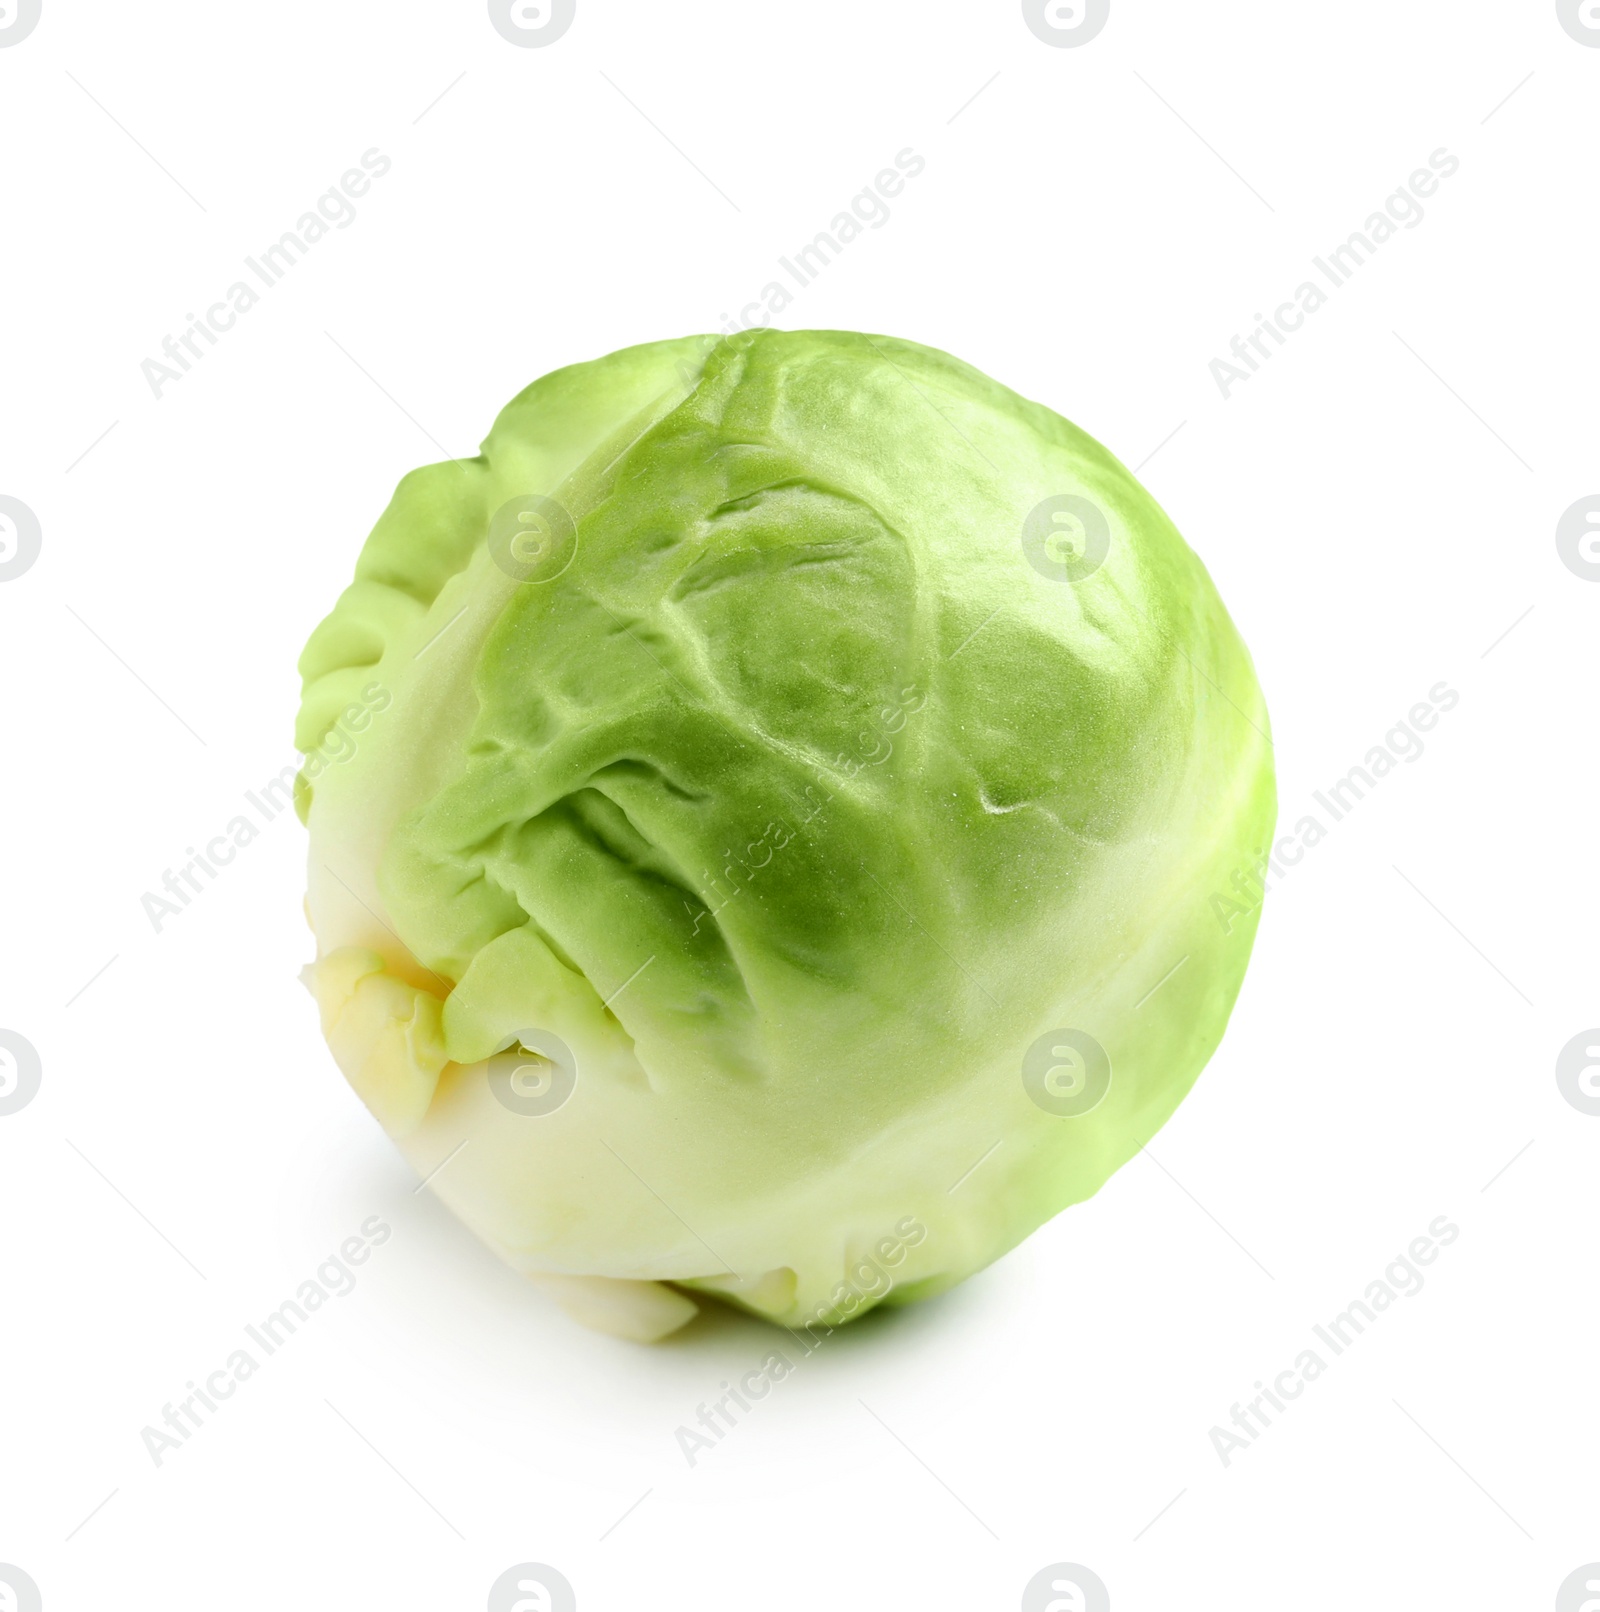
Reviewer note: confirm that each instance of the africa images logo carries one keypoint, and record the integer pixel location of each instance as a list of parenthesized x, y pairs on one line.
[(532, 23), (532, 1587), (1066, 23), (18, 19), (1066, 1587), (1578, 536), (20, 537), (21, 1074), (1581, 19)]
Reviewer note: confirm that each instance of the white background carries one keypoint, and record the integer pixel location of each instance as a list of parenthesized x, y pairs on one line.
[(1378, 507)]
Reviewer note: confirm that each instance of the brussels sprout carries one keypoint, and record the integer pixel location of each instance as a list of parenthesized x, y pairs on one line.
[(775, 773)]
